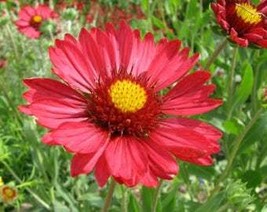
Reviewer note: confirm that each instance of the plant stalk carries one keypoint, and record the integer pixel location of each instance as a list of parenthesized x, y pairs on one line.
[(109, 196), (215, 54), (156, 197), (230, 91)]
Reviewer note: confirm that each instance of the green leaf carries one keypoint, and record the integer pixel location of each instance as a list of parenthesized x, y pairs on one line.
[(147, 198), (205, 172), (263, 171), (145, 6), (232, 127), (157, 22), (192, 9), (245, 88), (133, 205), (255, 1), (252, 178), (58, 206), (256, 133), (168, 200), (213, 204)]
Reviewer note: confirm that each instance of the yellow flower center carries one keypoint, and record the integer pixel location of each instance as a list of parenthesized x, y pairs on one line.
[(127, 96), (37, 19), (248, 13)]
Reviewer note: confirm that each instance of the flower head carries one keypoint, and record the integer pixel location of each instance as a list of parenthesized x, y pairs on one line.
[(31, 19), (242, 21), (8, 193), (110, 112)]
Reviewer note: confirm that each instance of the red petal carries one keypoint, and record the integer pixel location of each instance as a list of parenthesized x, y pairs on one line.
[(161, 162), (126, 161), (240, 41), (190, 96), (187, 139), (102, 172), (92, 54), (149, 179), (81, 137), (42, 88), (27, 13), (84, 163), (70, 65), (51, 113)]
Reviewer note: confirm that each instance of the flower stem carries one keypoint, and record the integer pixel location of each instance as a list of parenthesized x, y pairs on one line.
[(10, 35), (257, 82), (124, 200), (215, 54), (109, 196), (232, 156), (231, 83), (156, 197)]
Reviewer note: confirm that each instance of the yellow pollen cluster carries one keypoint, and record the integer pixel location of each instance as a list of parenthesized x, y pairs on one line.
[(127, 95), (37, 19), (248, 13)]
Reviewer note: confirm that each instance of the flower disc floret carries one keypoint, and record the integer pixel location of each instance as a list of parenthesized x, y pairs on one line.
[(127, 96), (248, 13), (37, 19)]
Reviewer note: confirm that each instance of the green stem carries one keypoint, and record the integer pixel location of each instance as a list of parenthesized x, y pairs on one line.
[(10, 34), (9, 101), (223, 208), (156, 197), (124, 200), (215, 54), (232, 156), (230, 91), (185, 176), (109, 196), (254, 92), (35, 196), (257, 81)]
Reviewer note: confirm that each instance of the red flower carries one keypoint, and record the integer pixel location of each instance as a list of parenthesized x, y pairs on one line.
[(31, 19), (242, 21), (111, 113)]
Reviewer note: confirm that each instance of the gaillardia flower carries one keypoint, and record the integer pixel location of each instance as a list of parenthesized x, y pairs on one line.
[(242, 21), (31, 19), (111, 112)]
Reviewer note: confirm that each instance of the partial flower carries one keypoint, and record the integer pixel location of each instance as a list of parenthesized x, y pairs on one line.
[(3, 63), (8, 193), (31, 19), (1, 181), (110, 111), (100, 13), (244, 22)]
